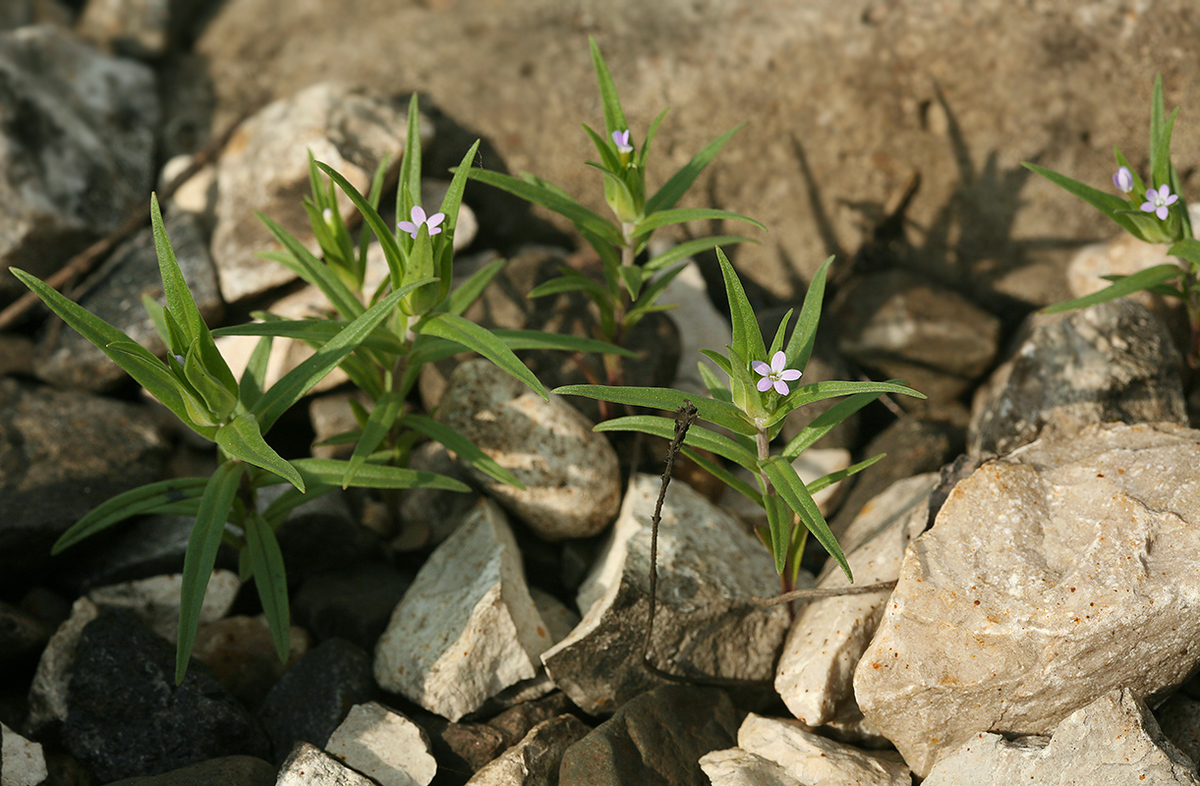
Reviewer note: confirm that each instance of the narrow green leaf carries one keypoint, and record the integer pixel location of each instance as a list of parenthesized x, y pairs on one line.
[(692, 247), (614, 116), (387, 238), (313, 271), (780, 520), (144, 499), (201, 555), (1188, 249), (467, 450), (674, 189), (569, 283), (1143, 279), (725, 476), (719, 412), (645, 151), (287, 391), (330, 472), (697, 437), (793, 491), (314, 332), (817, 391), (469, 291), (409, 186), (721, 361), (825, 422), (833, 477), (180, 302), (481, 340), (1108, 204), (241, 438), (254, 378), (716, 388), (151, 374), (378, 424), (780, 332), (604, 146), (664, 218), (804, 336), (654, 291), (552, 200), (270, 579), (516, 339)]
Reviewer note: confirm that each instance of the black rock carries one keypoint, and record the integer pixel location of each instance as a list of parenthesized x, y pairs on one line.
[(656, 739), (226, 771), (309, 702), (126, 717), (353, 604)]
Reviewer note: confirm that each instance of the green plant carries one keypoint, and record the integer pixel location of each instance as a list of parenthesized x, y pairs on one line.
[(1153, 214), (629, 290), (751, 407)]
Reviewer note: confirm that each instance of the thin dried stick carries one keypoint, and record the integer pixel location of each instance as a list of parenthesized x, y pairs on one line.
[(816, 593)]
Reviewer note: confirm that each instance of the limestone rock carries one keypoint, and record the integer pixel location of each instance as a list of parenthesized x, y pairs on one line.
[(48, 692), (815, 760), (736, 767), (156, 600), (77, 150), (265, 168), (384, 745), (709, 566), (535, 760), (571, 474), (816, 670), (1113, 741), (467, 628), (1112, 361), (1049, 578), (308, 764), (24, 763)]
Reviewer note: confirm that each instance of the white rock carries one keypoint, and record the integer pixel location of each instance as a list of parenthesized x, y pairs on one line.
[(736, 767), (156, 600), (383, 745), (709, 566), (1113, 741), (534, 760), (24, 763), (571, 474), (467, 627), (559, 619), (816, 671), (308, 765), (815, 760), (48, 692), (265, 168), (1050, 578)]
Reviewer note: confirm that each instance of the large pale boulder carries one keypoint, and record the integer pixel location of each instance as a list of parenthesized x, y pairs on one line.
[(1050, 577)]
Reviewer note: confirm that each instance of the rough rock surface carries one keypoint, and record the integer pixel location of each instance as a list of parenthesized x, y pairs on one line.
[(816, 670), (1113, 361), (24, 764), (383, 745), (1114, 741), (155, 600), (77, 131), (571, 474), (1039, 568), (265, 168), (708, 567), (467, 628), (308, 764), (657, 738), (815, 760), (736, 767), (536, 758), (126, 716)]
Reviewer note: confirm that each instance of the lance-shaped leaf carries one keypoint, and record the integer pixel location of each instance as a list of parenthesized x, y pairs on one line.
[(313, 271), (719, 412), (330, 472), (793, 490), (270, 579), (386, 236), (681, 215), (314, 332), (690, 247), (241, 438), (408, 188), (287, 391), (253, 381), (1135, 282), (467, 450), (538, 194), (828, 480), (1112, 206), (779, 525), (468, 291), (825, 422), (144, 499), (614, 116), (833, 388), (379, 423), (179, 298), (681, 181), (800, 345), (536, 339), (201, 555), (481, 340), (697, 437)]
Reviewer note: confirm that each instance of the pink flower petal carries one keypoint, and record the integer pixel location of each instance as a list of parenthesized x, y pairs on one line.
[(778, 361), (781, 388), (764, 384), (418, 215), (435, 219), (790, 374), (760, 367)]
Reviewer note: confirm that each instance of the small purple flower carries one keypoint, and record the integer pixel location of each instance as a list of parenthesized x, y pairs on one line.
[(1123, 180), (775, 375), (621, 139), (418, 218), (1157, 202)]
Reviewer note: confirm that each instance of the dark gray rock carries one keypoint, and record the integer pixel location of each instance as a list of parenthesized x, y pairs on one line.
[(78, 147), (114, 293), (537, 758), (126, 717), (905, 326), (21, 633), (353, 604), (225, 771), (656, 739), (1112, 362), (61, 454), (309, 702)]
